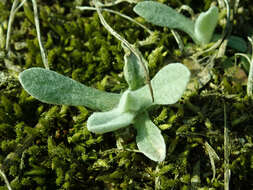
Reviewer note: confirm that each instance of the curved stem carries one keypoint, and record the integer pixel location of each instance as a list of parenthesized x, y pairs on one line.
[(117, 13), (116, 2), (127, 44), (250, 76), (37, 25), (11, 19), (5, 179), (14, 9)]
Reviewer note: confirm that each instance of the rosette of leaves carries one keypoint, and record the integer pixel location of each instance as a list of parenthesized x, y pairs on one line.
[(116, 110), (201, 31)]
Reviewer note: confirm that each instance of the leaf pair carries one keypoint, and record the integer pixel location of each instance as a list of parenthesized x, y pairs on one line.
[(162, 15), (128, 108), (168, 85)]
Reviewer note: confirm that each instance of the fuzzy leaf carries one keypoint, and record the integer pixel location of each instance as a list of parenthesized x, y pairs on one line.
[(122, 116), (130, 103), (103, 122), (51, 87), (163, 15), (149, 139), (133, 71), (205, 25), (168, 85)]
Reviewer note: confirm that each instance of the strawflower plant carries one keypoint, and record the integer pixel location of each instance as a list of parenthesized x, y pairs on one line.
[(118, 110)]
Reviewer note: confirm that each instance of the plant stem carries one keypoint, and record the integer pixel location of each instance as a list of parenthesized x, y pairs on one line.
[(250, 76), (5, 179), (11, 18), (178, 40), (226, 151), (14, 9), (127, 44), (117, 13), (37, 25), (116, 2)]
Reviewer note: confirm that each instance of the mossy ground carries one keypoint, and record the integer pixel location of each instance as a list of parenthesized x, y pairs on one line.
[(49, 147)]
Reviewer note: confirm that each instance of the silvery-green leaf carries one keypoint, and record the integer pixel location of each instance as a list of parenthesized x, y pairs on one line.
[(205, 25), (129, 102), (103, 122), (168, 85), (163, 15), (149, 139), (121, 116), (134, 73), (51, 87)]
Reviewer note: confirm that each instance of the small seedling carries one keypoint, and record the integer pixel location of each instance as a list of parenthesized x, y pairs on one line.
[(119, 110), (201, 31)]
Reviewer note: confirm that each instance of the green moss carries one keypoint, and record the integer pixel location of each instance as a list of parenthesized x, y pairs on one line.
[(49, 147)]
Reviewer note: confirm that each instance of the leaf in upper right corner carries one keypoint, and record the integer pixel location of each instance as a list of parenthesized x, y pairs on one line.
[(163, 15), (149, 138), (205, 25)]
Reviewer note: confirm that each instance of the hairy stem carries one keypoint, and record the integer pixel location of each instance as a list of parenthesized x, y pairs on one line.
[(11, 19), (37, 25), (117, 13), (250, 76), (5, 180), (226, 152), (126, 43)]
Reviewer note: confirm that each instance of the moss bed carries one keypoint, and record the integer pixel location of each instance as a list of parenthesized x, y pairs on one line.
[(49, 147)]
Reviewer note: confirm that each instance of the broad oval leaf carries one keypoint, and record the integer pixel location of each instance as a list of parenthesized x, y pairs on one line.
[(205, 25), (168, 85), (51, 87), (149, 138), (163, 15)]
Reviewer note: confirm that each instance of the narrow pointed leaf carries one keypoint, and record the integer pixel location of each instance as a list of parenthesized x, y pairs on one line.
[(149, 139), (103, 122), (134, 73), (205, 25), (168, 85), (163, 15), (51, 87)]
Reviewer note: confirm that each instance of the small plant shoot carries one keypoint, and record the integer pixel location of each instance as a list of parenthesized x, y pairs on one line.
[(118, 110), (201, 31)]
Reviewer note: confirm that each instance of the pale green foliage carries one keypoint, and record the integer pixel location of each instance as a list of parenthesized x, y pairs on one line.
[(134, 73), (168, 86), (53, 88), (149, 139), (121, 116), (205, 25), (162, 15)]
